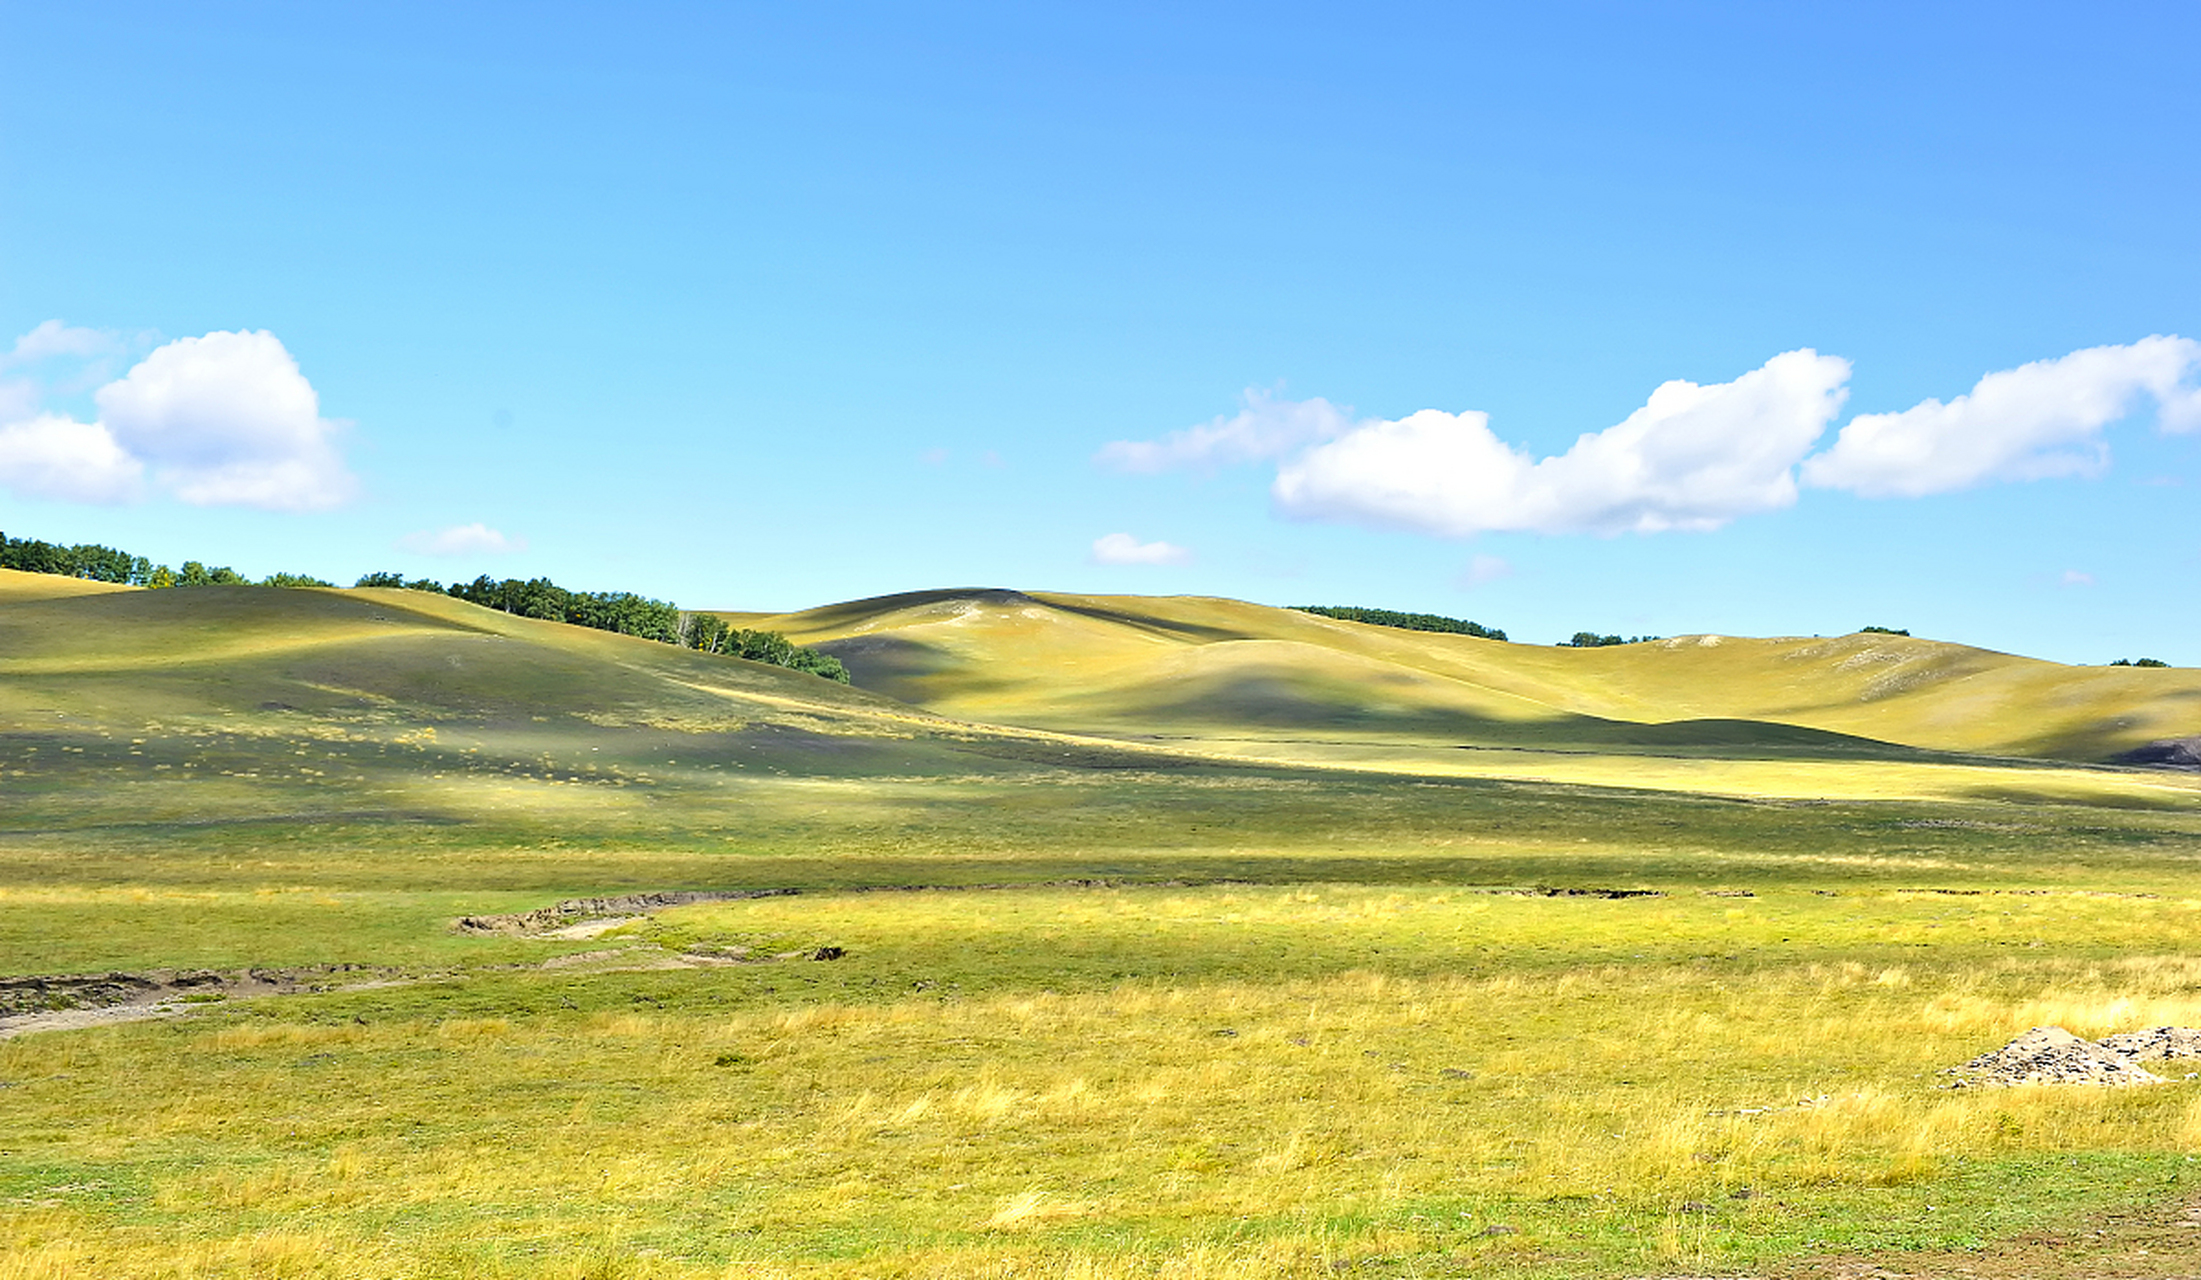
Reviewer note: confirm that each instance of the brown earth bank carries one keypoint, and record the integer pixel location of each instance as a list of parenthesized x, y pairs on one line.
[(574, 911), (62, 1001)]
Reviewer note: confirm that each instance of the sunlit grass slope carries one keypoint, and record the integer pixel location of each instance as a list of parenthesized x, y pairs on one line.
[(393, 690), (1282, 991), (1076, 1083), (16, 586), (1203, 667)]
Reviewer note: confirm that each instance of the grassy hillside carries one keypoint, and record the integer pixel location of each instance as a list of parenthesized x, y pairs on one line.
[(1206, 667), (1274, 979)]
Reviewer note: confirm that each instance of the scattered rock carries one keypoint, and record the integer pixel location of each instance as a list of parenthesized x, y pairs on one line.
[(1500, 1229), (1695, 1206), (2156, 1043), (2169, 753), (2051, 1055), (574, 911), (828, 953)]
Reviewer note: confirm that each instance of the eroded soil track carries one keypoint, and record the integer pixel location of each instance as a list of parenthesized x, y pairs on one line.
[(55, 1002)]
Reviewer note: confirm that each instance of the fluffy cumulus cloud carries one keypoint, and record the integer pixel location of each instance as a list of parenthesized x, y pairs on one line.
[(461, 540), (2035, 421), (51, 456), (1122, 548), (224, 419), (1693, 457), (1264, 427)]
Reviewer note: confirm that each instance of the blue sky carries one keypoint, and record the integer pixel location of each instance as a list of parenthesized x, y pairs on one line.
[(767, 307)]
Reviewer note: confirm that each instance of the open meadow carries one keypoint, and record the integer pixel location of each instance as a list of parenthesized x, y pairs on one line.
[(1082, 937)]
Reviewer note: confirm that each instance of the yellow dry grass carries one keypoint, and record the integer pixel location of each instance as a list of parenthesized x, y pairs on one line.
[(1203, 1127), (1189, 664)]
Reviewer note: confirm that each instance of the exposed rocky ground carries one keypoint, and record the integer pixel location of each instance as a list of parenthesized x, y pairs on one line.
[(2156, 1044), (62, 1001), (2168, 753), (2052, 1055), (573, 911)]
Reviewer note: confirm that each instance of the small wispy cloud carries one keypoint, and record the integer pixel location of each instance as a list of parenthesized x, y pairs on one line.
[(2075, 578), (56, 339), (1484, 569), (475, 539), (1264, 427), (1122, 548)]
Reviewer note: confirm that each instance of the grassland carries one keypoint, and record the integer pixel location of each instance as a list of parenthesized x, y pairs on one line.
[(1135, 978), (1226, 670)]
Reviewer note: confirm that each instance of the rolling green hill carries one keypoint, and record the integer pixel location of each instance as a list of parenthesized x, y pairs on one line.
[(1205, 668), (122, 704), (374, 933)]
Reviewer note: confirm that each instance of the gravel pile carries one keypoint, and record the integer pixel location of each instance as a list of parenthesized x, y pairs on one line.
[(2156, 1043), (2052, 1055)]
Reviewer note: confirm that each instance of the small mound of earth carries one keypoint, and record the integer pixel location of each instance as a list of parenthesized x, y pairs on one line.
[(2052, 1055), (565, 919), (2168, 753), (2156, 1043)]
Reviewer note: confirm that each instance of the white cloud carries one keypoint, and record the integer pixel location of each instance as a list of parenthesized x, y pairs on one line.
[(50, 456), (462, 540), (18, 400), (1265, 427), (1693, 457), (1122, 548), (1484, 569), (2029, 423), (227, 419), (2077, 578), (53, 338)]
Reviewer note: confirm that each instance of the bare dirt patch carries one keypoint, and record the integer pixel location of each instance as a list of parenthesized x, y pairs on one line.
[(55, 1002), (566, 919), (2143, 1242)]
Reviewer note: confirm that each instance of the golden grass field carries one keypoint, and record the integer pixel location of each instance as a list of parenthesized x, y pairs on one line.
[(1176, 938)]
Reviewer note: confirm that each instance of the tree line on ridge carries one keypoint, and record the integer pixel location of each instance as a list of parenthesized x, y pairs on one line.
[(622, 612)]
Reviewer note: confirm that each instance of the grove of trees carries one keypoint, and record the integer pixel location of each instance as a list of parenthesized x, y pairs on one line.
[(627, 614), (620, 611), (1592, 640), (1403, 621), (96, 563)]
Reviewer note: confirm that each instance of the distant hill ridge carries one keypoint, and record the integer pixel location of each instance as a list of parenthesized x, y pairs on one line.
[(1202, 669), (1403, 621), (1197, 667), (622, 612)]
